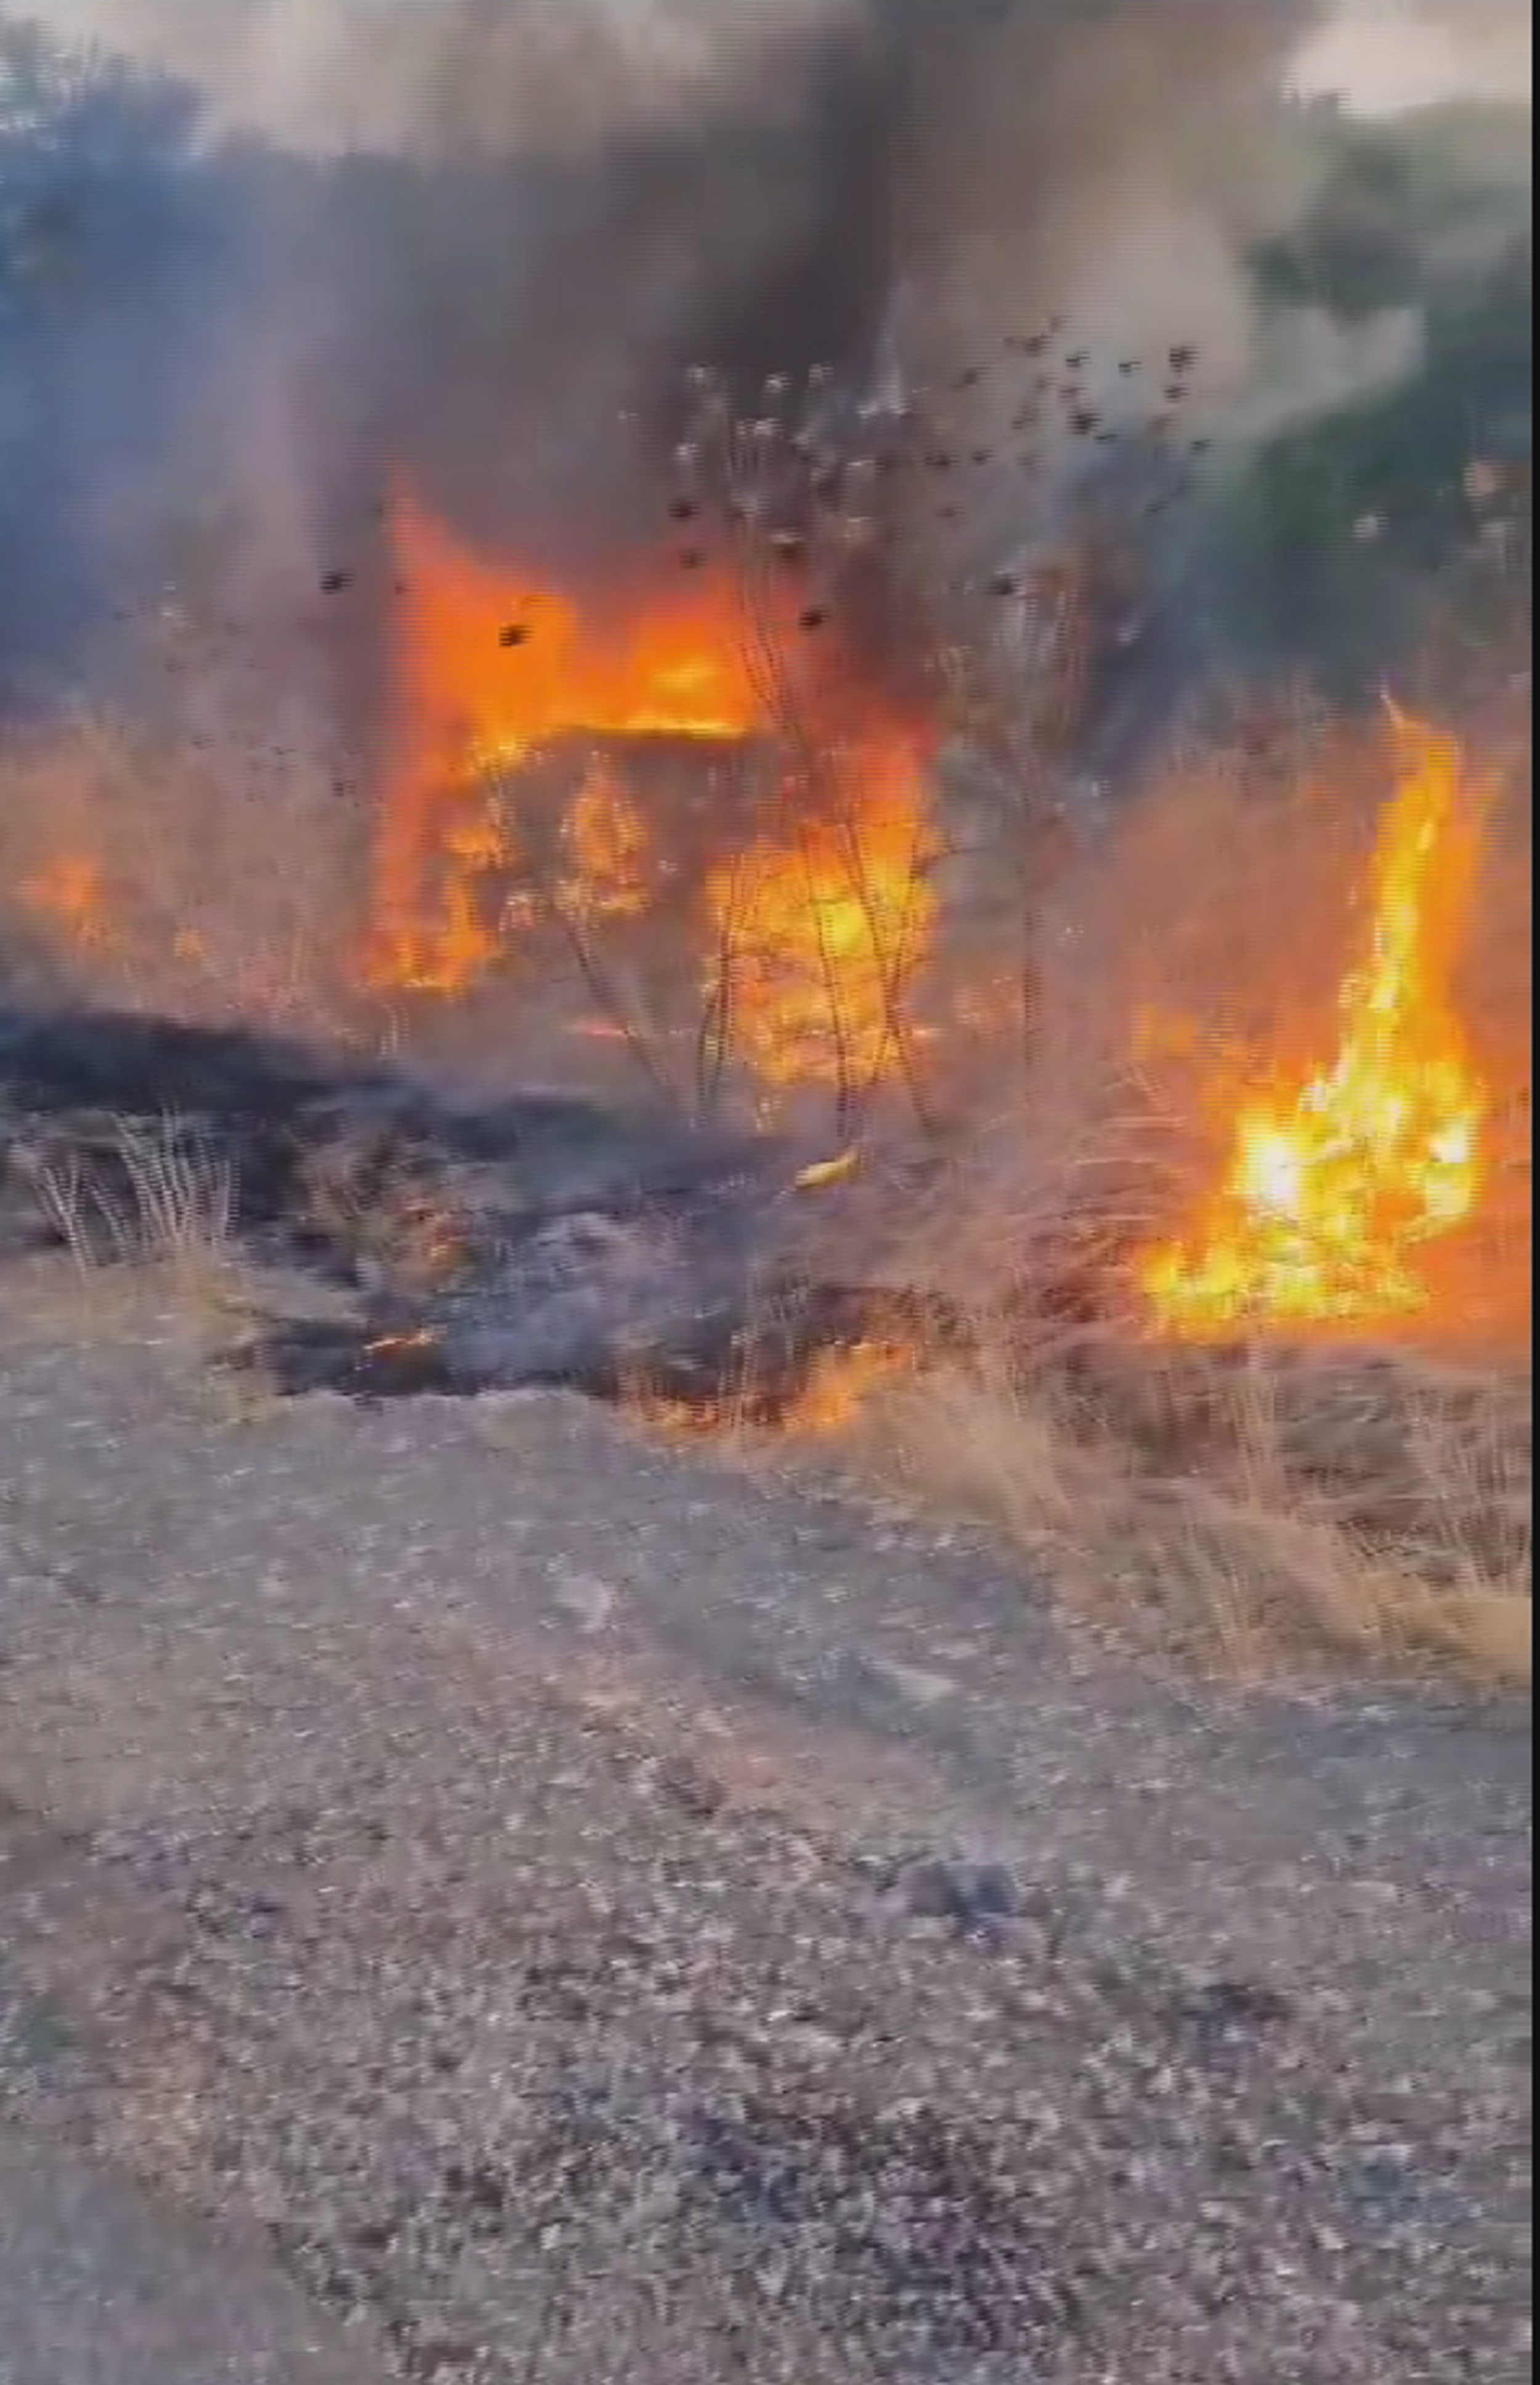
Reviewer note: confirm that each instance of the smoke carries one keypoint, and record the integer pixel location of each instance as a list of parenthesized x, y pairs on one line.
[(475, 243), (1388, 58), (483, 77), (475, 237)]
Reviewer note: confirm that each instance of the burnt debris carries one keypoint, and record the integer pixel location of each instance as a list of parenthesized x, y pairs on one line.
[(535, 1238)]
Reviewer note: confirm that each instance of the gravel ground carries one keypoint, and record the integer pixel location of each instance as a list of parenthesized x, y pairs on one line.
[(100, 2286), (606, 1920)]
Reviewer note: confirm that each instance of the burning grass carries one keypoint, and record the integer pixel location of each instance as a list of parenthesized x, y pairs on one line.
[(1338, 1183), (1264, 1415), (1327, 1442), (1249, 1504)]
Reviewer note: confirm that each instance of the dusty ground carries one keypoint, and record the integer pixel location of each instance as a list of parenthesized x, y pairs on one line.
[(599, 1920)]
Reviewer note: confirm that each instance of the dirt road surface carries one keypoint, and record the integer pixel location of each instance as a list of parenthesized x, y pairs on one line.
[(564, 1912)]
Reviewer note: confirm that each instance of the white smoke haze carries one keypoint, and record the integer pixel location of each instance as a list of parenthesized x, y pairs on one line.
[(1388, 58), (503, 76)]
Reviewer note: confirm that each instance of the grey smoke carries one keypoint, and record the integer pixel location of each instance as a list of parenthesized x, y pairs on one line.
[(485, 237), (492, 78)]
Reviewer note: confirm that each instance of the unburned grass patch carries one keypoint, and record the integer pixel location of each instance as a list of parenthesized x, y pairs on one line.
[(145, 1250), (1249, 1507)]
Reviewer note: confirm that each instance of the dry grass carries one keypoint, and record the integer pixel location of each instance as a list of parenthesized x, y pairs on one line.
[(1254, 1504), (1247, 1508), (1251, 1506), (155, 1255), (165, 868)]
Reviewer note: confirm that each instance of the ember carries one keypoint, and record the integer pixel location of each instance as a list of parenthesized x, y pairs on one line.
[(1336, 1189)]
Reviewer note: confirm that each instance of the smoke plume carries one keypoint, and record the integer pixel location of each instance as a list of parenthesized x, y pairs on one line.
[(475, 243)]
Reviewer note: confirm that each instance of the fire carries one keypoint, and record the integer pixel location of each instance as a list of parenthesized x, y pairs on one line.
[(807, 936), (821, 931), (69, 893), (489, 670), (1335, 1190), (833, 1397), (608, 848)]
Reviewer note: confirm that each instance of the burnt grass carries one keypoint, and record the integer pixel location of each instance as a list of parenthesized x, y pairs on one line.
[(535, 1238)]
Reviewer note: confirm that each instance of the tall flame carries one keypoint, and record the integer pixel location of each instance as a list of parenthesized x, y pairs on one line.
[(490, 669), (1333, 1194), (808, 936)]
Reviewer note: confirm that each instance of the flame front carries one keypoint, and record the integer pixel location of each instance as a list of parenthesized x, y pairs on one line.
[(489, 670), (1334, 1194), (809, 934)]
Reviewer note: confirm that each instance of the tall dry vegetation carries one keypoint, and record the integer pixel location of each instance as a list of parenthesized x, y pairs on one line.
[(1262, 1498), (177, 866)]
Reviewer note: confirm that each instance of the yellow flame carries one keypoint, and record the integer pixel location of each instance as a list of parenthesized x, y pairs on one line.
[(1333, 1195), (608, 846), (821, 933)]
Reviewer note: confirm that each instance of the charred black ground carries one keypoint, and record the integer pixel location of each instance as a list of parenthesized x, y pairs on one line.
[(535, 1238)]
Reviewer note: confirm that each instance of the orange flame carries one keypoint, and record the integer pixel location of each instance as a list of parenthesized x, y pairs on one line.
[(1334, 1195), (488, 671), (608, 847), (821, 931), (69, 893), (809, 935)]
